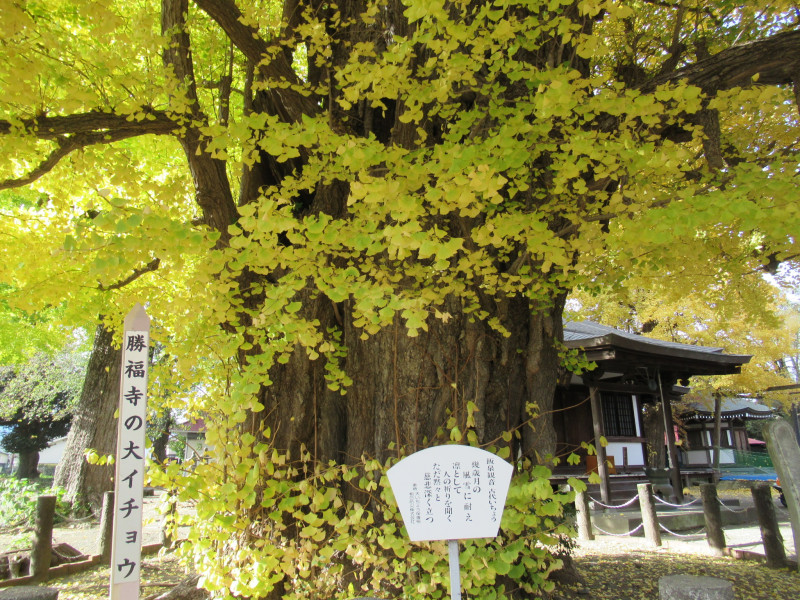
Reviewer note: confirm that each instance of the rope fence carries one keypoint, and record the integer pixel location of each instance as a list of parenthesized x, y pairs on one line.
[(631, 532), (733, 510), (616, 506), (664, 502), (711, 513), (658, 499), (697, 534)]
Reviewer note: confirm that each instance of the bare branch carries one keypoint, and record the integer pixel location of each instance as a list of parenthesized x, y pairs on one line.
[(774, 60), (149, 267), (97, 122), (271, 64)]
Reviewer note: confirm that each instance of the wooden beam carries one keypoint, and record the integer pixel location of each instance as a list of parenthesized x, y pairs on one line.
[(672, 454), (717, 433), (597, 425)]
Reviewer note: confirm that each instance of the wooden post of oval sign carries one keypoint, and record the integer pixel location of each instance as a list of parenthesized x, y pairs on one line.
[(126, 547), (451, 493)]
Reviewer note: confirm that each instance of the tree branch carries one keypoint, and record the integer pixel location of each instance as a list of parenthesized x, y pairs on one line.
[(177, 53), (99, 122), (246, 38), (44, 167), (774, 59), (271, 64), (66, 145), (149, 267), (212, 188)]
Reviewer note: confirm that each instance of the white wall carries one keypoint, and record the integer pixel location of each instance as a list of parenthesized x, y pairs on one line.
[(635, 454), (53, 453)]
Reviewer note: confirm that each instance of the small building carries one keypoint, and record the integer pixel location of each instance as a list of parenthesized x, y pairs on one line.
[(52, 455), (628, 399), (735, 443), (193, 432), (7, 460)]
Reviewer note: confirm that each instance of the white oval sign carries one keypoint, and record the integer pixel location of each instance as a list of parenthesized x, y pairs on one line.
[(451, 492)]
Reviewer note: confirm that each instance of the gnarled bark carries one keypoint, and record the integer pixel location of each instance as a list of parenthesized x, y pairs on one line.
[(93, 426)]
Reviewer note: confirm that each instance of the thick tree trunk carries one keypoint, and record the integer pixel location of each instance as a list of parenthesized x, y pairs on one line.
[(163, 428), (93, 426), (405, 389), (654, 428), (28, 465)]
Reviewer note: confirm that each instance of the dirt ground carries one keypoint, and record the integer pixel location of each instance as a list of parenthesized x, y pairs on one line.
[(610, 567), (84, 535)]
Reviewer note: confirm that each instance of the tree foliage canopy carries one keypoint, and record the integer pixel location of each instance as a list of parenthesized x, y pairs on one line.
[(517, 143), (747, 319), (36, 398)]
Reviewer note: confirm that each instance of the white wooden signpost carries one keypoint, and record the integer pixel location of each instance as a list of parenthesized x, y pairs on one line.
[(126, 548), (451, 493)]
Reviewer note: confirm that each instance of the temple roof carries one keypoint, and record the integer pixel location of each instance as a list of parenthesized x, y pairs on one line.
[(613, 349), (731, 408)]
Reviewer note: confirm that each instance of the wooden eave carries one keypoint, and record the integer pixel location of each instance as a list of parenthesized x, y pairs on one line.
[(617, 353)]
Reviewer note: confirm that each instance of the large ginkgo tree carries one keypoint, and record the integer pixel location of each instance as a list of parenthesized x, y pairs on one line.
[(361, 219)]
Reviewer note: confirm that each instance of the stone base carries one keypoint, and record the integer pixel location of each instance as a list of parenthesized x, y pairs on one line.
[(29, 592), (619, 522), (691, 587)]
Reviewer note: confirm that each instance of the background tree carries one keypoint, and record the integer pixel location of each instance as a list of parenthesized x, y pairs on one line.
[(750, 318), (36, 402), (390, 199), (94, 427)]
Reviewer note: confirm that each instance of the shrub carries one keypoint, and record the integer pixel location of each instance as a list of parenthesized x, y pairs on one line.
[(18, 501), (264, 527)]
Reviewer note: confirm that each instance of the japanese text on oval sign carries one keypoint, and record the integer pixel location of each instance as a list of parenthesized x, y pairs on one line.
[(451, 492), (448, 489)]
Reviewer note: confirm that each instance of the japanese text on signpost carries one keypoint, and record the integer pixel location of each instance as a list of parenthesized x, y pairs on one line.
[(130, 465)]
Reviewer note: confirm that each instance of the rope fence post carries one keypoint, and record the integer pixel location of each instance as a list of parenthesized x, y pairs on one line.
[(42, 551), (713, 518), (649, 518), (584, 516), (768, 522), (106, 527)]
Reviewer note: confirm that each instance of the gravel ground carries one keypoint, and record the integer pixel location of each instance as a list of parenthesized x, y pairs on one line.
[(611, 567), (85, 535), (742, 537)]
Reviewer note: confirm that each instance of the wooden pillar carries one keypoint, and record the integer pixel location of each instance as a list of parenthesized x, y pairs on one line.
[(584, 516), (768, 522), (42, 551), (672, 452), (713, 518), (717, 434), (647, 505), (708, 445), (597, 424)]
